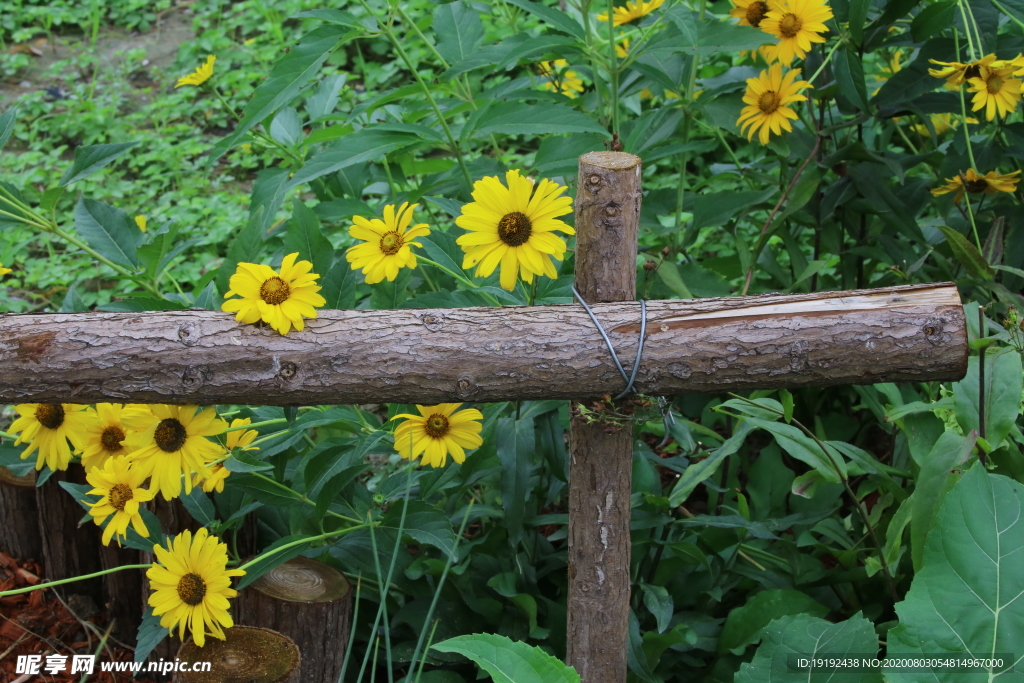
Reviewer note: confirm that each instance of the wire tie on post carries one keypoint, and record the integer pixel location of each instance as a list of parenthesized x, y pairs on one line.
[(631, 377)]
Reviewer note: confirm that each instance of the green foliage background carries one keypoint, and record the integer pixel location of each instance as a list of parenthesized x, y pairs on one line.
[(844, 512)]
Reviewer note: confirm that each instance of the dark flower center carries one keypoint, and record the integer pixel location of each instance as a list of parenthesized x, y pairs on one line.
[(119, 495), (191, 589), (514, 229), (50, 415), (769, 101), (111, 438), (994, 84), (790, 25), (756, 12), (436, 426), (170, 435), (972, 71), (391, 242), (275, 291), (976, 186)]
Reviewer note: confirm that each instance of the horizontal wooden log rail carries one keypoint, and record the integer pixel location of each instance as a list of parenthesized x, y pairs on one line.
[(430, 356)]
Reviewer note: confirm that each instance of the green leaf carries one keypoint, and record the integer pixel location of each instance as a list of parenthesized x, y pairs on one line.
[(515, 439), (522, 118), (108, 230), (808, 636), (711, 37), (556, 19), (149, 635), (7, 121), (933, 19), (290, 75), (452, 207), (245, 248), (199, 506), (424, 524), (668, 272), (703, 469), (966, 596), (803, 448), (743, 625), (967, 253), (850, 75), (267, 196), (91, 158), (330, 458), (339, 286), (949, 451), (858, 19), (1003, 379), (363, 145), (268, 562), (1012, 8), (305, 237), (458, 29), (509, 661), (240, 461), (718, 208), (264, 491), (659, 603), (73, 302)]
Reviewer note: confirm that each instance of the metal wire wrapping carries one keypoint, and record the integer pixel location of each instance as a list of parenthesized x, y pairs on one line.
[(630, 378)]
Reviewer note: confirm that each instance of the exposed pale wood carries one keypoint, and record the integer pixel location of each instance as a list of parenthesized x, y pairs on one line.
[(308, 601), (431, 356), (601, 457)]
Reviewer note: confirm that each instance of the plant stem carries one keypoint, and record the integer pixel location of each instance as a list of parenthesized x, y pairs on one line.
[(104, 260), (50, 584), (461, 278), (308, 539)]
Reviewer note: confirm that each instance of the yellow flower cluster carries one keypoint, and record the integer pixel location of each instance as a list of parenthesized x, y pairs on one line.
[(795, 24), (993, 81)]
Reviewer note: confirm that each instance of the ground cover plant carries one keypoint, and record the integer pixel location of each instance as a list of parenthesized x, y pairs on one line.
[(292, 158)]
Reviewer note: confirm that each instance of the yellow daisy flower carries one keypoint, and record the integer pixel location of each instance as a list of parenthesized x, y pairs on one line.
[(797, 24), (200, 75), (767, 98), (238, 439), (387, 244), (48, 427), (631, 12), (279, 299), (105, 435), (191, 585), (995, 90), (749, 12), (437, 431), (941, 123), (4, 271), (121, 488), (560, 79), (508, 226), (170, 442), (141, 222), (990, 183), (957, 73)]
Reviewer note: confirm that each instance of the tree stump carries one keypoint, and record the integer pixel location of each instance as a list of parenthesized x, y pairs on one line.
[(19, 532), (246, 655), (121, 591), (69, 548), (308, 601)]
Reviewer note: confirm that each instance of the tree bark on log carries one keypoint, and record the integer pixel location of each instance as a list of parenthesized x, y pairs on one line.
[(308, 601), (911, 333), (19, 530), (121, 591), (601, 458), (68, 549)]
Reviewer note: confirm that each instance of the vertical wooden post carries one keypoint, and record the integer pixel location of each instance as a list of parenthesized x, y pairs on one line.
[(600, 463), (19, 530)]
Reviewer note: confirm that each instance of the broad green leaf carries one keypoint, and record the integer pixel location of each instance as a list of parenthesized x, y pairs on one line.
[(7, 121), (452, 207), (744, 624), (286, 127), (509, 661), (91, 158), (325, 99), (267, 562), (849, 70), (967, 253), (73, 302), (803, 448), (266, 492), (1003, 379), (807, 636), (555, 18), (458, 29), (933, 482), (1012, 8), (515, 439), (702, 470), (858, 19), (636, 657), (200, 506), (965, 598), (305, 237), (891, 209), (245, 248), (668, 272), (424, 524), (267, 195), (339, 286), (718, 208), (108, 230), (240, 461), (290, 75), (658, 602), (711, 37), (149, 635), (341, 17), (521, 118), (933, 19), (363, 145)]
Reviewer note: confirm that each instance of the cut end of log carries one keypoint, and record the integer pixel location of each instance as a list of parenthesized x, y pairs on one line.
[(247, 655), (613, 161), (10, 478), (302, 579)]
